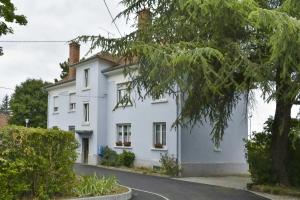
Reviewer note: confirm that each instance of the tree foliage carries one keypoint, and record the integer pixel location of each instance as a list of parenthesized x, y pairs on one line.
[(29, 101), (214, 52), (64, 66), (8, 15), (4, 107)]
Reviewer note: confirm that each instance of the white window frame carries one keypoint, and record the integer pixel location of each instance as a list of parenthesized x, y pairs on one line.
[(129, 134), (162, 136), (72, 105), (86, 77), (86, 112), (55, 104), (122, 87), (162, 99)]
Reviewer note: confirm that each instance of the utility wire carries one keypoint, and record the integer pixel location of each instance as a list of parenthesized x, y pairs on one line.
[(113, 20), (33, 41)]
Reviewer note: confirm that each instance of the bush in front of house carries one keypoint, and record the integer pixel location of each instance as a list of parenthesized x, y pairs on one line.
[(127, 158), (110, 157), (36, 163), (169, 165), (89, 186), (258, 155)]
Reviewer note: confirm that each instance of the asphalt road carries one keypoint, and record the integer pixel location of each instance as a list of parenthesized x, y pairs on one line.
[(169, 188)]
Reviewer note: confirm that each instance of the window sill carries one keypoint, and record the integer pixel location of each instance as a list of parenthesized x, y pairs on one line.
[(159, 149), (122, 147), (55, 113), (86, 124), (72, 111), (127, 106), (86, 89), (159, 101), (217, 150)]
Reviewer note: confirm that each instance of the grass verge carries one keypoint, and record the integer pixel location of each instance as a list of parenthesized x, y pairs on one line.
[(275, 190)]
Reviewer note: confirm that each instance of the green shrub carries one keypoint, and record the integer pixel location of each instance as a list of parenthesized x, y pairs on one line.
[(110, 157), (36, 162), (258, 155), (88, 186), (127, 158), (169, 165)]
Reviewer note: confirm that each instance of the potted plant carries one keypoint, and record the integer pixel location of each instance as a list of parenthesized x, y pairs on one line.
[(127, 144), (119, 143), (158, 146)]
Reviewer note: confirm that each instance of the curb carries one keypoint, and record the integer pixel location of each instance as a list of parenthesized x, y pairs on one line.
[(124, 196), (131, 171)]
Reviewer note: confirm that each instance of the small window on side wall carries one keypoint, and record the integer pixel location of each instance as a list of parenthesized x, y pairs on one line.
[(159, 135), (86, 78), (72, 129), (55, 104), (72, 102), (86, 112)]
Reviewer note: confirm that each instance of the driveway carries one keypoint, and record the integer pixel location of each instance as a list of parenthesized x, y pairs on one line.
[(144, 186)]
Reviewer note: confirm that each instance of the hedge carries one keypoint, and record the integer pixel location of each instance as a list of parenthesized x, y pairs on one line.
[(36, 163)]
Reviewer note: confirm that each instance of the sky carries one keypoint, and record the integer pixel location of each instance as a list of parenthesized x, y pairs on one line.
[(64, 20)]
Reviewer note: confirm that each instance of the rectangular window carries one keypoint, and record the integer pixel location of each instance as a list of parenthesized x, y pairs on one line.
[(72, 102), (55, 104), (72, 129), (123, 94), (86, 78), (123, 135), (86, 112), (159, 135)]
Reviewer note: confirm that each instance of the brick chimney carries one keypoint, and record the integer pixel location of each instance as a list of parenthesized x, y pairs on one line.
[(74, 56), (144, 18)]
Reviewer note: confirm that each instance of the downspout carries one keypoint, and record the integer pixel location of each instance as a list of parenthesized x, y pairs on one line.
[(177, 126)]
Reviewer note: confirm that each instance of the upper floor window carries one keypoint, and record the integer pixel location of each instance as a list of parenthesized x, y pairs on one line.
[(86, 78), (123, 135), (86, 112), (160, 99), (123, 94), (72, 101), (159, 135), (55, 104)]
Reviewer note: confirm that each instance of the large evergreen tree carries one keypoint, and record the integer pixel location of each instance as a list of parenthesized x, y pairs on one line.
[(8, 16), (213, 52), (29, 101), (4, 107)]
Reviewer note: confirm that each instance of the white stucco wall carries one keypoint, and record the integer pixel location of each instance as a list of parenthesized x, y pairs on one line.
[(141, 116)]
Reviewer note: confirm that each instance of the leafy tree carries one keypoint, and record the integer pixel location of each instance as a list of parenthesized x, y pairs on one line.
[(4, 107), (29, 101), (7, 14), (214, 52)]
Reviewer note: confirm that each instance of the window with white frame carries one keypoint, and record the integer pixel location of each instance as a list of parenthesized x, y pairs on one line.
[(159, 134), (123, 135), (123, 94), (86, 112), (55, 104), (161, 97), (86, 78), (72, 101)]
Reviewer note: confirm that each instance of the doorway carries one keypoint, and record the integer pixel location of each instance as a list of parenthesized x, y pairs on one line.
[(85, 150)]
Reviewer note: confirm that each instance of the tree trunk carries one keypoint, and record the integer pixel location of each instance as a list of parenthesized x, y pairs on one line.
[(280, 133)]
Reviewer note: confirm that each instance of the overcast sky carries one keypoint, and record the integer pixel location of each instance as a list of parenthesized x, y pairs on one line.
[(65, 20)]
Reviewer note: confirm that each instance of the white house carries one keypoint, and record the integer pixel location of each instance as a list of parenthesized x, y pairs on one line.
[(84, 102)]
